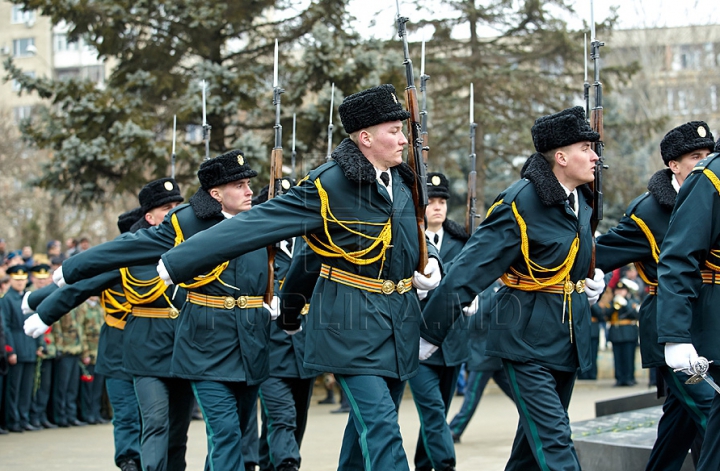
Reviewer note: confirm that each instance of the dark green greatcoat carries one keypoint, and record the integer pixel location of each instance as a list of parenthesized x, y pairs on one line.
[(23, 346), (687, 308), (628, 243), (349, 331), (210, 344), (529, 325), (455, 349)]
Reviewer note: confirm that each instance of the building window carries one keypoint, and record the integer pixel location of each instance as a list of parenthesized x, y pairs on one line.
[(670, 101), (682, 102), (20, 47), (16, 85), (61, 43), (22, 112), (713, 98), (19, 15)]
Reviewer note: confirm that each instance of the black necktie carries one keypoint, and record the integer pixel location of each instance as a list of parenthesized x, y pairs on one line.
[(436, 239), (571, 201), (385, 177)]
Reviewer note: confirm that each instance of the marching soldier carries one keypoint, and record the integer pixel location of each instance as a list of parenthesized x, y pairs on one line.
[(623, 332), (536, 238), (51, 305), (434, 386), (221, 340), (357, 213), (637, 239)]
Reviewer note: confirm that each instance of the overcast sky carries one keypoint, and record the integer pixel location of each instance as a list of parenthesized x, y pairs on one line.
[(376, 17)]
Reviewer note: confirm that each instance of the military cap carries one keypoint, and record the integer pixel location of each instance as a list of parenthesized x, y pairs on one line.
[(225, 168), (562, 129), (41, 270), (159, 192), (128, 218), (370, 107), (686, 138), (12, 254), (282, 185), (438, 185), (17, 272)]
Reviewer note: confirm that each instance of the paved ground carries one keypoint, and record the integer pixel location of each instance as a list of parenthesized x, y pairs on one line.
[(485, 444)]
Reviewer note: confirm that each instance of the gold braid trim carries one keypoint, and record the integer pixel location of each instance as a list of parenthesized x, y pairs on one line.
[(649, 235), (490, 210), (112, 306), (156, 285), (201, 280), (713, 178), (332, 250), (641, 271)]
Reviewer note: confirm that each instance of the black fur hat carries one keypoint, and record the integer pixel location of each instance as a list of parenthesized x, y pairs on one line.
[(282, 185), (686, 138), (717, 146), (370, 107), (158, 193), (438, 185), (128, 218), (225, 168), (562, 129)]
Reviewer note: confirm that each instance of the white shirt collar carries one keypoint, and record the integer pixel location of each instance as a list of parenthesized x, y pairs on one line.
[(431, 236), (675, 183), (227, 215)]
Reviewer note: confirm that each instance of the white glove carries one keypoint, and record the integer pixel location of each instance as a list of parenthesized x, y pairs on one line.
[(163, 273), (430, 279), (422, 294), (58, 278), (293, 332), (34, 326), (472, 308), (426, 349), (594, 286), (273, 308), (25, 306), (680, 355)]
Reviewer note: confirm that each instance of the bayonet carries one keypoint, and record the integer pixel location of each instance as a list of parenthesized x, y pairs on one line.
[(471, 217), (293, 155), (205, 126), (330, 125), (423, 111), (172, 156)]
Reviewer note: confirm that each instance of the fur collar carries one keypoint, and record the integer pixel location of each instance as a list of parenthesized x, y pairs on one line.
[(205, 206), (455, 230), (661, 188), (140, 224), (357, 168), (537, 170)]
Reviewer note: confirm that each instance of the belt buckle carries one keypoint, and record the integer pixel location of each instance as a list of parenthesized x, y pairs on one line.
[(242, 302), (401, 286), (174, 313), (229, 302), (580, 286), (568, 287), (388, 287)]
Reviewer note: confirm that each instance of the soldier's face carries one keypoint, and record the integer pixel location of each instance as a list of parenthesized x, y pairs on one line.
[(386, 144), (40, 282), (579, 163), (156, 215), (684, 165), (436, 211), (235, 197), (17, 284)]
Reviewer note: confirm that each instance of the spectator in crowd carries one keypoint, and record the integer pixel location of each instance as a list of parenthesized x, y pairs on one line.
[(14, 258), (83, 245), (3, 249), (70, 246), (54, 249), (27, 256)]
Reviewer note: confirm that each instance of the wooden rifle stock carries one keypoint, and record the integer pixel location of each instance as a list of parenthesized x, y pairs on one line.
[(275, 175), (417, 163)]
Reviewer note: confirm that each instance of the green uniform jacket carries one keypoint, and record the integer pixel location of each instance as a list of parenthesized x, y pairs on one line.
[(628, 243), (687, 308), (455, 349), (529, 325), (349, 330), (210, 344)]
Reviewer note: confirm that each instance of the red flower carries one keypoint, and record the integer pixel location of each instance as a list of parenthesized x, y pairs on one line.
[(8, 348), (49, 330), (86, 378), (48, 341)]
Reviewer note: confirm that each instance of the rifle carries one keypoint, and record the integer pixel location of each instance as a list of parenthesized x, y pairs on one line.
[(471, 216), (415, 149), (586, 84), (275, 174), (328, 157), (206, 127), (172, 157), (596, 123)]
